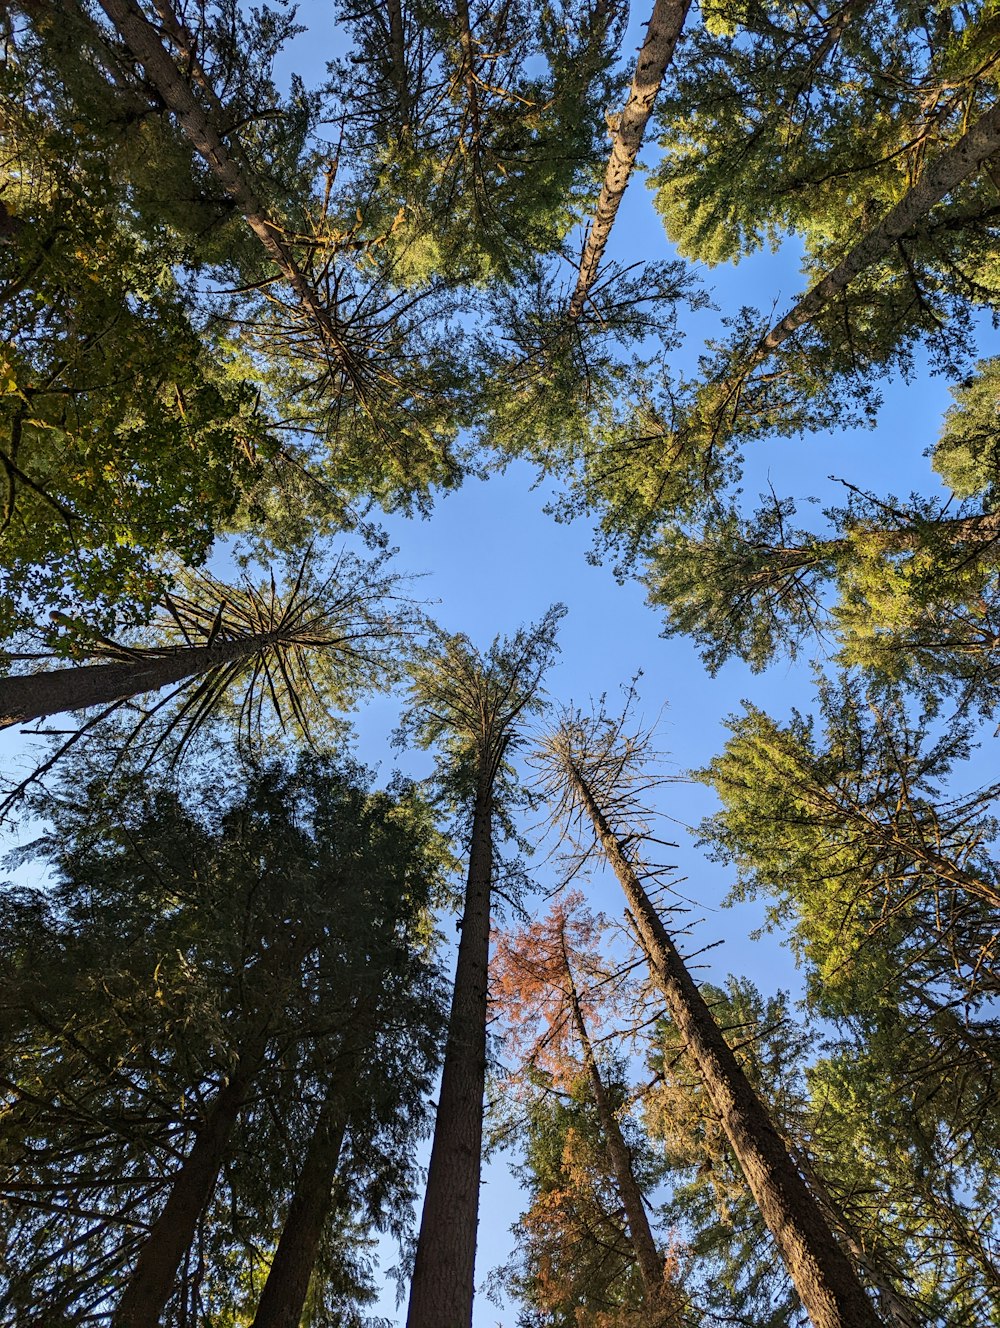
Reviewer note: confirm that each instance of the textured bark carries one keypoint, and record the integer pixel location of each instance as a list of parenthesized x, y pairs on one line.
[(441, 1292), (820, 1270), (655, 54), (143, 41), (284, 1296), (152, 1282), (648, 1260), (945, 173), (397, 58), (30, 696)]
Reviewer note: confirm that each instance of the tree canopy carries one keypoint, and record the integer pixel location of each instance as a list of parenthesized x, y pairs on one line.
[(275, 284)]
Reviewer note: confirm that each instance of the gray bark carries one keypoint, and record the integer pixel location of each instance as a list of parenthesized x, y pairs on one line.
[(655, 54), (948, 170), (28, 696)]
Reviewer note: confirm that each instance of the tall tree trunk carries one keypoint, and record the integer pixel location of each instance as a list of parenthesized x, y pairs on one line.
[(640, 1233), (284, 1296), (397, 61), (442, 1289), (152, 1281), (143, 41), (29, 696), (948, 170), (655, 54), (821, 1272)]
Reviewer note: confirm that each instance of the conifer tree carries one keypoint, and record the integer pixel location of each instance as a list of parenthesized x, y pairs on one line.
[(592, 766), (185, 1077), (471, 706), (552, 989)]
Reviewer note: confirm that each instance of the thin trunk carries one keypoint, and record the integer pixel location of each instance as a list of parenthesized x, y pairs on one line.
[(442, 1289), (898, 1311), (397, 60), (948, 170), (648, 1260), (29, 696), (820, 1271), (664, 28), (470, 81), (143, 41), (284, 1296), (152, 1281)]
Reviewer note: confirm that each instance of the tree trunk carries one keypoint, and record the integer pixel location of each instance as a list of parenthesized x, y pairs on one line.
[(664, 28), (29, 696), (945, 173), (284, 1296), (647, 1259), (822, 1274), (143, 41), (442, 1289), (152, 1281), (397, 60)]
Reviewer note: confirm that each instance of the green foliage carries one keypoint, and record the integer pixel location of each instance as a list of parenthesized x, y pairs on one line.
[(916, 588), (965, 455), (127, 432), (546, 382), (471, 706), (853, 833), (573, 1262), (741, 587), (480, 131), (180, 938), (735, 1265), (884, 1135), (782, 120)]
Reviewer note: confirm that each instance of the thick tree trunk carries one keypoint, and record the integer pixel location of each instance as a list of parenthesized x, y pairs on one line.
[(945, 173), (284, 1296), (143, 41), (648, 1260), (820, 1270), (29, 696), (664, 28), (441, 1292), (152, 1282)]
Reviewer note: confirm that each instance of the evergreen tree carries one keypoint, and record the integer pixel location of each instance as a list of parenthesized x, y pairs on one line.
[(201, 1011), (916, 585), (471, 706)]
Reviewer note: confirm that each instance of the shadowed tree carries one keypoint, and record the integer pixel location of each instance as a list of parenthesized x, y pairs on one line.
[(470, 707), (271, 985)]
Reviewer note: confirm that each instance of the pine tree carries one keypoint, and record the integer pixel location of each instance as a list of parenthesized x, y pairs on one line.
[(470, 706)]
